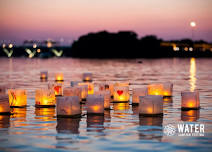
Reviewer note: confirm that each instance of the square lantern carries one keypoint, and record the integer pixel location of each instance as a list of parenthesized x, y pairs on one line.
[(167, 89), (44, 75), (17, 98), (151, 105), (95, 104), (155, 89), (84, 91), (72, 91), (87, 77), (136, 93), (68, 106), (190, 100), (4, 104), (90, 87), (107, 98), (45, 98), (57, 87), (121, 94), (59, 77)]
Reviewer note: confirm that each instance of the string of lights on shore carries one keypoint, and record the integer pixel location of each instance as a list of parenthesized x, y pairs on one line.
[(68, 100)]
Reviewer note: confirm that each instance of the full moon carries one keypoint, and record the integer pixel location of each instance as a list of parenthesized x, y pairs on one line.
[(192, 24)]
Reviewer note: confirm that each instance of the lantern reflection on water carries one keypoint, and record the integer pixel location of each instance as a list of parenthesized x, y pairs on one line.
[(17, 97), (151, 105), (190, 100), (95, 104), (44, 75), (87, 77), (59, 77), (68, 106), (121, 106), (190, 115), (136, 93), (44, 98), (95, 123), (107, 98), (155, 89), (167, 89), (121, 94), (4, 104)]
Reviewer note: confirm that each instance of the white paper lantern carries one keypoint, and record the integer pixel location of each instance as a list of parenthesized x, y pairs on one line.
[(121, 94), (167, 89), (155, 89), (136, 93), (151, 105), (4, 104), (44, 75), (95, 104), (59, 77), (190, 100), (45, 98), (17, 97), (107, 98), (90, 87), (87, 77), (68, 106), (72, 91)]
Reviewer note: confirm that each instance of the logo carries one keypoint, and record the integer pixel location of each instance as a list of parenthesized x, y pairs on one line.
[(184, 129), (169, 130)]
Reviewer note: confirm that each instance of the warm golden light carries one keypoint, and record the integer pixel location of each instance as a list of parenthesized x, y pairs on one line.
[(95, 104), (190, 115), (34, 46), (10, 45), (192, 74), (38, 50), (167, 89), (121, 94), (17, 97), (193, 24), (155, 89), (49, 44), (87, 77), (44, 74), (190, 100), (59, 77), (45, 97), (4, 104)]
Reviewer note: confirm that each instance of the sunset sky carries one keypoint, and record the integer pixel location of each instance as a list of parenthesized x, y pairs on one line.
[(68, 19)]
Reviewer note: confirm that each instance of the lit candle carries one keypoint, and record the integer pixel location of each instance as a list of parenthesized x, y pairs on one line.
[(151, 105), (4, 104), (44, 75), (107, 98), (136, 93), (121, 94), (68, 106), (190, 100), (95, 104), (90, 87), (167, 89), (44, 98), (155, 89), (17, 97), (87, 77), (59, 77)]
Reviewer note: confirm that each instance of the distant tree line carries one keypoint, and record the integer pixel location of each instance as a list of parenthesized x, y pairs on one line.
[(124, 44)]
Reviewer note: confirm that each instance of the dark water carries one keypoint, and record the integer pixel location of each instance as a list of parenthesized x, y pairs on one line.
[(120, 129)]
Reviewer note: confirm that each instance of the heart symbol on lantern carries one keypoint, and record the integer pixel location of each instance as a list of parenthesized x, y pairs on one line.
[(120, 92), (57, 88)]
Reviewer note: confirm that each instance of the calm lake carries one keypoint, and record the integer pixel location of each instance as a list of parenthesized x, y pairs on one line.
[(120, 129)]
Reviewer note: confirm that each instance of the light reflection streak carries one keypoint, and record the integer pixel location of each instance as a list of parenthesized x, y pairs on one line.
[(192, 74)]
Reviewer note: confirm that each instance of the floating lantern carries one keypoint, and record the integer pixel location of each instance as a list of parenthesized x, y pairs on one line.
[(167, 89), (90, 87), (17, 97), (121, 94), (151, 105), (190, 100), (44, 75), (155, 89), (59, 77), (95, 104), (87, 77), (84, 92), (2, 90), (45, 98), (190, 115), (68, 106), (107, 98), (4, 104), (136, 93), (57, 87)]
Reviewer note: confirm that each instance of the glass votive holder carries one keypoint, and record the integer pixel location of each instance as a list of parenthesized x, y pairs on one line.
[(137, 92), (121, 94), (59, 77), (95, 104), (107, 98), (167, 89), (87, 77), (44, 98), (68, 106), (190, 100), (4, 105), (155, 89), (17, 98), (151, 105), (44, 75)]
